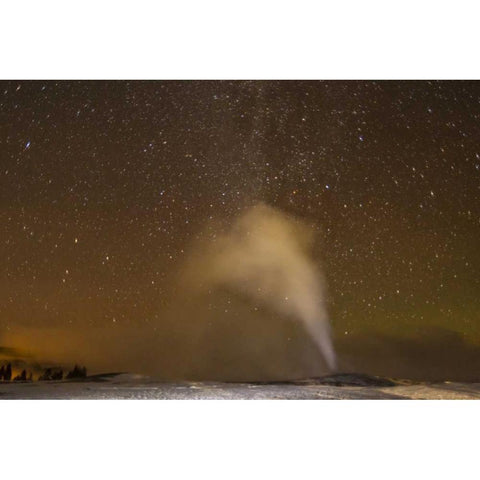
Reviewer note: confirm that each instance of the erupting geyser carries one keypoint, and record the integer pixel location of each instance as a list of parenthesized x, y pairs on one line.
[(264, 255)]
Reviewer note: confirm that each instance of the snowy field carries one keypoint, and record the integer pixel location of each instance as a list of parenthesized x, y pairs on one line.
[(135, 387)]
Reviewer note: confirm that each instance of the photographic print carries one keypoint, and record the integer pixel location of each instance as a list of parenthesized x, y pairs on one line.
[(239, 239)]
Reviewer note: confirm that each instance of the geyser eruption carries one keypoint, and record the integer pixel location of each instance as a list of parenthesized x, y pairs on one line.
[(265, 256)]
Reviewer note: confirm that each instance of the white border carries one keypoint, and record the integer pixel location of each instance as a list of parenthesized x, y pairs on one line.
[(239, 439), (252, 39)]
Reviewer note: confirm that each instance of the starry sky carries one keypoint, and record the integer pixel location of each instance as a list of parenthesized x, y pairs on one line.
[(105, 184)]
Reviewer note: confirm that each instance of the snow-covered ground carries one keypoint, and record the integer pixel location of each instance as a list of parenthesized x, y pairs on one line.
[(136, 387)]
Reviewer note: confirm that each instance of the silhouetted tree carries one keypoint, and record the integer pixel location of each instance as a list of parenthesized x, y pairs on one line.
[(8, 372), (77, 372), (46, 375), (51, 374), (2, 373), (30, 377)]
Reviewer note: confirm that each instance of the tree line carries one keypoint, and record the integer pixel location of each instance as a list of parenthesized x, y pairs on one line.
[(6, 374), (47, 374)]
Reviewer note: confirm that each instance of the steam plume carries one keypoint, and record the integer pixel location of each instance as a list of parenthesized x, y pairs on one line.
[(262, 257), (265, 257)]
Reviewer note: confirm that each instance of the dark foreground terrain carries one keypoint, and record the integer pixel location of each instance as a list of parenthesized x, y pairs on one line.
[(336, 387)]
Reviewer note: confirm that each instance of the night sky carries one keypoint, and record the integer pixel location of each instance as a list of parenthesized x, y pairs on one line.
[(105, 185)]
